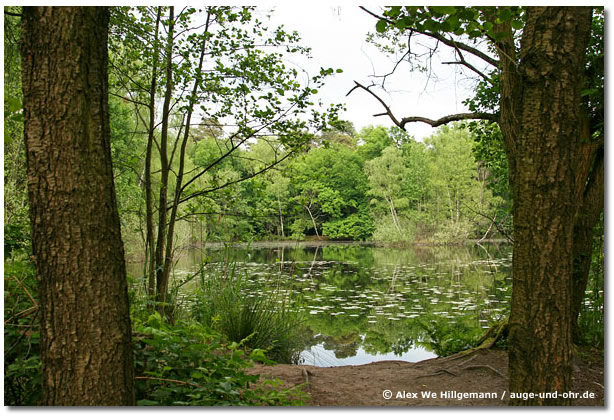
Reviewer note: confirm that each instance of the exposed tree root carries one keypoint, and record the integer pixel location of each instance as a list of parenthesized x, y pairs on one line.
[(486, 367), (493, 335), (439, 372)]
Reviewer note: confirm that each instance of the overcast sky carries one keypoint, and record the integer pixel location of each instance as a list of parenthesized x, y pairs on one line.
[(337, 36)]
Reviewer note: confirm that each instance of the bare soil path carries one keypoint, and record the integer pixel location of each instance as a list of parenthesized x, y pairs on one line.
[(475, 379)]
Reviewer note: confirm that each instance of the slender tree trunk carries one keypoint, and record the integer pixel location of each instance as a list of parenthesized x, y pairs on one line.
[(393, 214), (161, 281), (588, 216), (281, 217), (168, 259), (540, 103), (86, 346), (313, 221), (149, 214)]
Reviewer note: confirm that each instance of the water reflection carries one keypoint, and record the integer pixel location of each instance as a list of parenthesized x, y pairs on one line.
[(365, 303)]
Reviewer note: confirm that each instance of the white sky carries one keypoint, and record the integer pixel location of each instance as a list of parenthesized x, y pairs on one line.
[(337, 36)]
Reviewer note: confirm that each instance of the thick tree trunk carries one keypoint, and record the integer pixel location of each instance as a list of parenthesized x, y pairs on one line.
[(540, 103), (86, 346)]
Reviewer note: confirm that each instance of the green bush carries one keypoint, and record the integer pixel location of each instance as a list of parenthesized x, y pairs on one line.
[(386, 231), (355, 227), (181, 364), (188, 364)]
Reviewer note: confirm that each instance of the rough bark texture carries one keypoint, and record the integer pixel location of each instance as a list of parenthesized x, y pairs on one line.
[(86, 348), (540, 120)]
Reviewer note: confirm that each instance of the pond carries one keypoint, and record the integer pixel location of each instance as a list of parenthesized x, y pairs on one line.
[(363, 303)]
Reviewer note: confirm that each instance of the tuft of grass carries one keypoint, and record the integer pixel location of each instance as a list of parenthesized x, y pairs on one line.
[(266, 321)]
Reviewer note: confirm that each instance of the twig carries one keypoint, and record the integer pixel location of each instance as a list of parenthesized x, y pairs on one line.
[(26, 290), (24, 312)]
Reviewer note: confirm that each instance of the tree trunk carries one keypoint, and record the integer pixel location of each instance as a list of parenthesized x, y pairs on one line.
[(149, 212), (168, 260), (589, 214), (313, 221), (281, 217), (161, 280), (393, 214), (540, 103), (86, 346)]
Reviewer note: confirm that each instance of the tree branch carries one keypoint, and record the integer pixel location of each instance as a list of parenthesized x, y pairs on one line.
[(433, 123), (449, 42), (448, 118), (236, 181)]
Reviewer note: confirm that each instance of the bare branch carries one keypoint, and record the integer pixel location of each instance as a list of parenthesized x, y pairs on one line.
[(433, 123), (470, 66), (448, 118), (380, 100)]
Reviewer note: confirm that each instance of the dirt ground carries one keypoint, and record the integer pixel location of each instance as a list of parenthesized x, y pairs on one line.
[(475, 379)]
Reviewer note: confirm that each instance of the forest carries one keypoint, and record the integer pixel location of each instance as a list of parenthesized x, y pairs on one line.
[(136, 137)]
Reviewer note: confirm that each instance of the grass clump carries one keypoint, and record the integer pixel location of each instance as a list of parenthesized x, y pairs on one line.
[(259, 320)]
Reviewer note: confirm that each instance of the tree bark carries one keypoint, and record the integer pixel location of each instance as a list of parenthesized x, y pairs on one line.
[(540, 103), (589, 214), (168, 260), (149, 212), (86, 346), (161, 281)]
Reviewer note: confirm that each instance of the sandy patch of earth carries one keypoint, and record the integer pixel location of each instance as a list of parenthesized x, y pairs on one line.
[(475, 379)]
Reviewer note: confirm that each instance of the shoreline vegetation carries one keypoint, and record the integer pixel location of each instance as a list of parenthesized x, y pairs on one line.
[(133, 257)]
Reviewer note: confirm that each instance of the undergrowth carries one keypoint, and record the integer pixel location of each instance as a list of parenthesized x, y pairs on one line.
[(184, 363)]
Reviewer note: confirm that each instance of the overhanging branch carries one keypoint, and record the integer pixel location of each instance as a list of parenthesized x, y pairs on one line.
[(449, 42), (449, 118), (433, 123)]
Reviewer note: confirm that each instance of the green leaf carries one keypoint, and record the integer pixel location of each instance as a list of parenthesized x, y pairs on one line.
[(505, 14), (517, 24), (14, 104), (381, 26), (443, 10), (431, 25)]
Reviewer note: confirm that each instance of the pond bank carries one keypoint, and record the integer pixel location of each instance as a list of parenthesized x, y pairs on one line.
[(475, 379)]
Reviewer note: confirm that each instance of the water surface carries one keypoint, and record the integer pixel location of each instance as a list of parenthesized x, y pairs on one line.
[(364, 303)]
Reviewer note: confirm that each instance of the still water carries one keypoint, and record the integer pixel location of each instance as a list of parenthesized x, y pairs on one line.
[(365, 303)]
